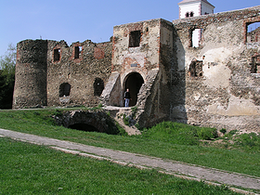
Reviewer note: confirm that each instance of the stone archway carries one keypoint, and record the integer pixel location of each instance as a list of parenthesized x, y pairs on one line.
[(133, 82)]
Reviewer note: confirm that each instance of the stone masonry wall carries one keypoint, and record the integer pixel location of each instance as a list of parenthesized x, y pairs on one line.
[(49, 73), (214, 84), (30, 74), (86, 74), (138, 59), (226, 93)]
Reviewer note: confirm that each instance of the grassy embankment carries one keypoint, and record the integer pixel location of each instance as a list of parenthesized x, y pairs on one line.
[(32, 169), (201, 146)]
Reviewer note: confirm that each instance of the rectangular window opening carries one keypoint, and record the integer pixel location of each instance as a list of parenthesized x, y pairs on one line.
[(255, 65), (195, 69), (56, 55), (135, 38), (76, 53), (196, 36), (253, 32)]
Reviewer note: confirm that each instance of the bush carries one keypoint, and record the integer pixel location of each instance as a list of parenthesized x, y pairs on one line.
[(207, 133), (249, 141), (223, 131), (126, 120), (178, 133)]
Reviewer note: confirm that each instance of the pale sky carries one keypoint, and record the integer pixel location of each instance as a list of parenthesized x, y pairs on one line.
[(80, 20)]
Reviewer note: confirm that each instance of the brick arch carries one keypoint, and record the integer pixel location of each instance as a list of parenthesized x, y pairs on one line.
[(133, 81)]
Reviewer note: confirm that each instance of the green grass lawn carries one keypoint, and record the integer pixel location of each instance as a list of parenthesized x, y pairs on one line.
[(167, 140), (32, 169)]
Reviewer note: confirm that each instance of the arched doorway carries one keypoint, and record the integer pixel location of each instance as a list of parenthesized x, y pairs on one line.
[(64, 89), (98, 86), (133, 82)]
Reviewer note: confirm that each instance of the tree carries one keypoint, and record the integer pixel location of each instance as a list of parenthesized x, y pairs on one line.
[(7, 77)]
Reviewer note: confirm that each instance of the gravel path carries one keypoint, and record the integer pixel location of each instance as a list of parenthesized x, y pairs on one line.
[(183, 170)]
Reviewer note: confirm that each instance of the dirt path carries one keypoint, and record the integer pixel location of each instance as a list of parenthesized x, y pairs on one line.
[(179, 169)]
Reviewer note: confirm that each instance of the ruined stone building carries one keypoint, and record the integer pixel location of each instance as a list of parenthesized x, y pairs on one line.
[(211, 80)]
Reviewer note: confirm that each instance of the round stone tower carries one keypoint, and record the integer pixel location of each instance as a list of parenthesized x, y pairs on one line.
[(31, 74)]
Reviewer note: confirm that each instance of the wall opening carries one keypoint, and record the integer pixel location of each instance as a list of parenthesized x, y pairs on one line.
[(77, 52), (255, 65), (64, 89), (135, 38), (133, 82), (195, 69), (56, 55), (253, 32), (189, 14), (196, 35), (98, 86)]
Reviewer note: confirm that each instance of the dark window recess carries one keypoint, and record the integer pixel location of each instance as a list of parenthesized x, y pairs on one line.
[(134, 38), (56, 55), (76, 55), (191, 14), (187, 15), (255, 65), (64, 89), (98, 86), (195, 68), (77, 52)]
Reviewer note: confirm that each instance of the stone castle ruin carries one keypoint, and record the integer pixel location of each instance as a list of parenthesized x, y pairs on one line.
[(214, 82)]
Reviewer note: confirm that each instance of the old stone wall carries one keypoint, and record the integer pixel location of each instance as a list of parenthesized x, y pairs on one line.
[(30, 74), (49, 73), (85, 74), (151, 60), (222, 92), (214, 83)]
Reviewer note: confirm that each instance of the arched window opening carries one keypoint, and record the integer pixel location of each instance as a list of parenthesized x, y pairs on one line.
[(64, 89), (187, 15), (133, 82), (191, 14), (98, 86)]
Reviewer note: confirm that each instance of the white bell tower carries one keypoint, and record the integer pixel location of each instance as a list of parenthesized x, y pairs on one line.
[(192, 8)]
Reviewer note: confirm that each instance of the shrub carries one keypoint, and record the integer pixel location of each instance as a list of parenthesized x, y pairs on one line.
[(232, 132), (126, 120), (249, 141), (223, 131), (207, 133)]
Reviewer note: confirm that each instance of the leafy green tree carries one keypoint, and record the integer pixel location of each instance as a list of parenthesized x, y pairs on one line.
[(7, 77)]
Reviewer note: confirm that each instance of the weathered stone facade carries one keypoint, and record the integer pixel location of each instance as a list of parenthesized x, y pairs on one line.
[(227, 93), (49, 73), (214, 84)]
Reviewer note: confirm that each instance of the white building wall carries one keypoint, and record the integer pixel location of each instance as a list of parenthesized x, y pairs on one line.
[(206, 8), (188, 7)]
